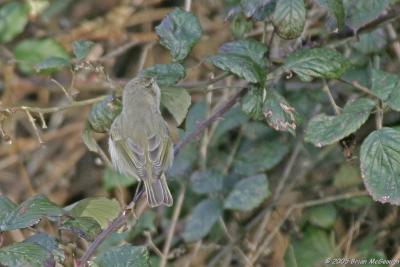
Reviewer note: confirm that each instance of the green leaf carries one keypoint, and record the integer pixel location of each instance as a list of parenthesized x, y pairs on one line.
[(6, 206), (325, 130), (103, 113), (26, 254), (323, 216), (48, 242), (355, 203), (204, 182), (240, 25), (278, 113), (177, 101), (347, 176), (179, 31), (102, 209), (312, 248), (124, 256), (85, 227), (289, 18), (166, 74), (252, 103), (113, 179), (316, 63), (88, 139), (13, 18), (33, 51), (386, 86), (51, 65), (371, 42), (242, 66), (380, 165), (248, 193), (336, 10), (247, 48), (29, 213), (359, 13), (259, 156), (203, 217), (258, 9), (81, 48)]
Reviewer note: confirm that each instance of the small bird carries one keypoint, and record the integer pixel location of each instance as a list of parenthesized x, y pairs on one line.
[(139, 142)]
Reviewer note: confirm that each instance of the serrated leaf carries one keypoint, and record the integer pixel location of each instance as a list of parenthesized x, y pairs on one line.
[(13, 18), (48, 242), (323, 216), (102, 209), (81, 48), (371, 42), (336, 10), (6, 206), (359, 13), (316, 63), (252, 103), (247, 48), (278, 113), (103, 113), (166, 74), (325, 130), (380, 165), (258, 9), (203, 217), (204, 182), (32, 51), (52, 65), (289, 18), (112, 179), (242, 66), (312, 248), (259, 156), (248, 193), (179, 31), (124, 256), (85, 227), (386, 86), (26, 254), (29, 213), (177, 101)]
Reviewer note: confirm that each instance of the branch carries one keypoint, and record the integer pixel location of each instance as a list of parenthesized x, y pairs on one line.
[(207, 122)]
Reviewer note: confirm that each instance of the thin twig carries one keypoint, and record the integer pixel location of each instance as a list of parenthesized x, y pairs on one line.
[(70, 99), (151, 244), (171, 231), (327, 91), (33, 123)]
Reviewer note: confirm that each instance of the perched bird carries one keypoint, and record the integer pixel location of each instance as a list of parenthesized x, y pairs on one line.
[(139, 142)]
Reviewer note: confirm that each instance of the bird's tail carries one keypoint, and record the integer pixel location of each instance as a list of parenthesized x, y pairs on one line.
[(158, 192)]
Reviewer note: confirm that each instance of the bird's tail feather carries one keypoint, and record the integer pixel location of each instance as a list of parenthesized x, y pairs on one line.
[(158, 192)]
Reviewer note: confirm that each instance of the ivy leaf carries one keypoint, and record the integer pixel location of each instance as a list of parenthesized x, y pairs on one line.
[(85, 227), (252, 103), (248, 193), (245, 58), (124, 256), (103, 113), (177, 101), (325, 130), (81, 48), (380, 165), (29, 213), (33, 51), (386, 86), (26, 254), (259, 156), (204, 182), (113, 179), (51, 65), (278, 113), (289, 18), (359, 13), (13, 19), (166, 74), (102, 209), (336, 10), (179, 31), (316, 63), (203, 217)]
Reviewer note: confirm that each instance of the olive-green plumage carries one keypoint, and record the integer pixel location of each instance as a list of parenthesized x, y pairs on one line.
[(139, 141)]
